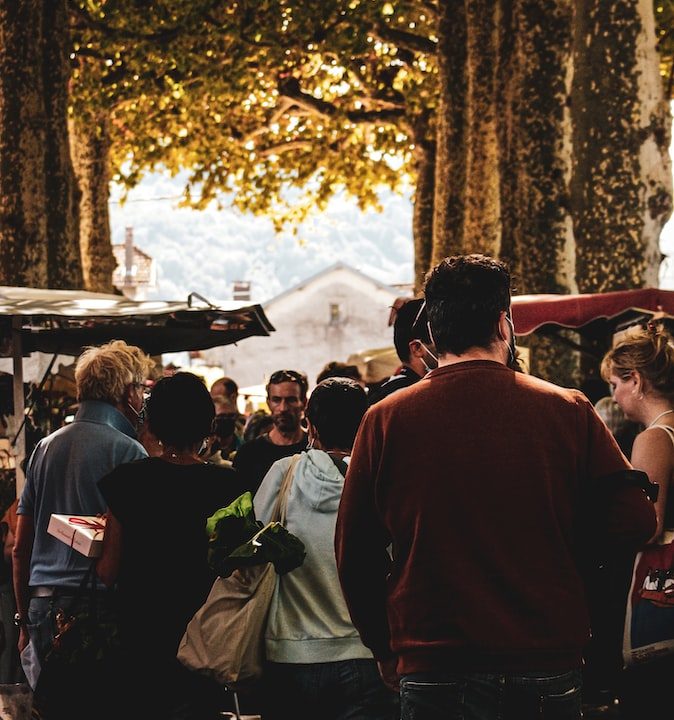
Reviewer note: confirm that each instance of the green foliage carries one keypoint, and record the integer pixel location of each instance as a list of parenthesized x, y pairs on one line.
[(237, 540), (277, 103)]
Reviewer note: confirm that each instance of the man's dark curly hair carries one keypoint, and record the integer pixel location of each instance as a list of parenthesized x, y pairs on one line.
[(465, 294), (405, 329)]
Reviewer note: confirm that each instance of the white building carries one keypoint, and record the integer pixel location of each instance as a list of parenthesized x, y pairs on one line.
[(330, 316)]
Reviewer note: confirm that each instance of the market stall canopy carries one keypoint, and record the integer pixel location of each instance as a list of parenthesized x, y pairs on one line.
[(375, 364), (596, 313), (65, 321)]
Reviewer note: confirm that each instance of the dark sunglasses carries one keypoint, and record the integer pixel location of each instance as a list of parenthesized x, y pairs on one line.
[(287, 376)]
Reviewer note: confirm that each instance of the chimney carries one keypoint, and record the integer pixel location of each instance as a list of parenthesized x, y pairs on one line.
[(241, 290), (128, 257)]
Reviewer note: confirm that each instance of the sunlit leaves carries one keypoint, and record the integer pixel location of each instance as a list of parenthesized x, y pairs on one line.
[(279, 103)]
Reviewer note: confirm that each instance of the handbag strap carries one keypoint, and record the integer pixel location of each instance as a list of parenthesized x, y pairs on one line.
[(279, 513), (86, 592)]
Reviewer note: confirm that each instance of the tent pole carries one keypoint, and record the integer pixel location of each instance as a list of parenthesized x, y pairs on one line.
[(19, 442)]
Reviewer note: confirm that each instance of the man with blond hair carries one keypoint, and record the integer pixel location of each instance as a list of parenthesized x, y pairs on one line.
[(62, 476)]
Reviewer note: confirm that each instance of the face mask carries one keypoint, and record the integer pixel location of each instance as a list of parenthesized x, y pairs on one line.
[(433, 360), (512, 359), (140, 416)]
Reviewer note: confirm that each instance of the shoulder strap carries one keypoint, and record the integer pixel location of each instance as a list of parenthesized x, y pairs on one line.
[(339, 463), (279, 513), (667, 428)]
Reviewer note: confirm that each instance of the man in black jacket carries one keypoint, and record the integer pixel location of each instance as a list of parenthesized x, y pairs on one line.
[(413, 346), (287, 399)]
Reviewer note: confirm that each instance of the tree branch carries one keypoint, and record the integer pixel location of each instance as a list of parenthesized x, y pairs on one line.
[(400, 38), (285, 147)]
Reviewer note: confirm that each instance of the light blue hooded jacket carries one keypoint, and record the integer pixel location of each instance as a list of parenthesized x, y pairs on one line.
[(308, 619)]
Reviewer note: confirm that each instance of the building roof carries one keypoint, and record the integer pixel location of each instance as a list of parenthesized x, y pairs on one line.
[(327, 271)]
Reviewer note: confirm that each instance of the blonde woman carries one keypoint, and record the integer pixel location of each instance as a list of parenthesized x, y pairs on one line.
[(640, 370)]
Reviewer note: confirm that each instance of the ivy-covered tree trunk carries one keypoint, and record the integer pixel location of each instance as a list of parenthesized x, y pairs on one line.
[(65, 265), (450, 159), (505, 92), (540, 70), (583, 179), (91, 148), (424, 191), (482, 229), (621, 183), (23, 225)]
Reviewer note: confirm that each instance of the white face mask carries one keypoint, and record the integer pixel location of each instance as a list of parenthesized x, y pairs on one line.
[(512, 359), (434, 360), (140, 416)]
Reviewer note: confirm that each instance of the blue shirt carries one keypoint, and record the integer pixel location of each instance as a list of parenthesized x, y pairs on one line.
[(62, 477)]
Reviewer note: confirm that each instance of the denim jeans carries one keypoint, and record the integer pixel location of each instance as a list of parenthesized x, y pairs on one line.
[(342, 690), (482, 696)]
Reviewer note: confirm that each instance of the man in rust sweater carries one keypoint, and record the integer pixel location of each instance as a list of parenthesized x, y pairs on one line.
[(480, 480)]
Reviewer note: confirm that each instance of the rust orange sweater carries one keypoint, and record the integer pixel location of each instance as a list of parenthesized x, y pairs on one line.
[(475, 476)]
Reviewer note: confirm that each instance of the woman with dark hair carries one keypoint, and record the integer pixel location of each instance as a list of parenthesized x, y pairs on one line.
[(317, 665), (155, 550)]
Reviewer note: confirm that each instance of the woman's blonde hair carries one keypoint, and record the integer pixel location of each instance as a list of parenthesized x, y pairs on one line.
[(104, 372), (647, 350)]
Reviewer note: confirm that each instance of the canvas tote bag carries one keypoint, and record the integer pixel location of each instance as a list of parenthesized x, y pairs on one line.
[(225, 638)]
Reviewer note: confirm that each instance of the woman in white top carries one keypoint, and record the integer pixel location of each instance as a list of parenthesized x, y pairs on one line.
[(317, 665), (640, 370)]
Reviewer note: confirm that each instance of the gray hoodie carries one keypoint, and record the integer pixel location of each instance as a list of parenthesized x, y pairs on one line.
[(308, 620)]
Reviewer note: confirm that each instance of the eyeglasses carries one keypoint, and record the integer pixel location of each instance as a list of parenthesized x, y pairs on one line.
[(143, 387)]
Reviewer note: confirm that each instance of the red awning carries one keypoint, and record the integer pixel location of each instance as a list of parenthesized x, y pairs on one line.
[(532, 312)]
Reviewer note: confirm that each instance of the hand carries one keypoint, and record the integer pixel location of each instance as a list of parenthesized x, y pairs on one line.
[(389, 673)]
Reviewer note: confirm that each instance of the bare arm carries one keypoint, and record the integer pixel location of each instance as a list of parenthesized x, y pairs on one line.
[(653, 453), (107, 566), (23, 547), (8, 546)]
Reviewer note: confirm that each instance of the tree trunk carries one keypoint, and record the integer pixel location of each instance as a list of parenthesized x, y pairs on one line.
[(482, 228), (621, 186), (23, 226), (539, 68), (450, 159), (91, 148), (65, 265), (422, 219)]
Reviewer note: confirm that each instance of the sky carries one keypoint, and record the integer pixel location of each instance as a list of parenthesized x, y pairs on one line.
[(205, 251)]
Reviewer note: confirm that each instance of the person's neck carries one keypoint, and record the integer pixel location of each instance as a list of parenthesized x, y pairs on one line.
[(179, 456), (659, 411), (280, 438), (495, 354), (128, 413)]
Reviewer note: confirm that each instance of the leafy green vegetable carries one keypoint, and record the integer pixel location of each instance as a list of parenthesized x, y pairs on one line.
[(237, 540)]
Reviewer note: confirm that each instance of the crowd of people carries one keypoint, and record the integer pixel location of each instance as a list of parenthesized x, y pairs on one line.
[(453, 517)]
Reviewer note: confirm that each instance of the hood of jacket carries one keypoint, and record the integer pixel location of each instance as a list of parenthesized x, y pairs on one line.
[(319, 481)]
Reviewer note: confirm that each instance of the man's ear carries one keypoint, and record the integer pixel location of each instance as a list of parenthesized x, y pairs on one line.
[(126, 395), (416, 348), (503, 327)]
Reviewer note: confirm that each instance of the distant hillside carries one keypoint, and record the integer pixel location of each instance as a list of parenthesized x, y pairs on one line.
[(205, 251)]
